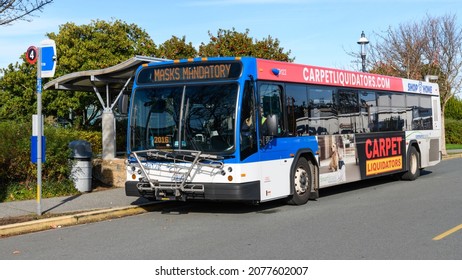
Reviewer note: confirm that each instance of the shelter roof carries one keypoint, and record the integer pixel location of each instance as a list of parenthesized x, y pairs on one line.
[(112, 78)]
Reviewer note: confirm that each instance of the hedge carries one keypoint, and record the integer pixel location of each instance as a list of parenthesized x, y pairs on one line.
[(453, 131), (16, 170)]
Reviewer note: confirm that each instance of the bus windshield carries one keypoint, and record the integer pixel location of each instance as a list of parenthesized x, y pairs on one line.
[(191, 117)]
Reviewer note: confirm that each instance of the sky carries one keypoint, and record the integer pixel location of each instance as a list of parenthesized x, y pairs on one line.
[(317, 32)]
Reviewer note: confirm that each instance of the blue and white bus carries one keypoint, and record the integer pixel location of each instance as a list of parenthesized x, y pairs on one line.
[(255, 130)]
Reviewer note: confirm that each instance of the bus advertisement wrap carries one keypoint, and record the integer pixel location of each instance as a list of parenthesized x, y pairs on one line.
[(337, 77), (380, 154), (326, 76)]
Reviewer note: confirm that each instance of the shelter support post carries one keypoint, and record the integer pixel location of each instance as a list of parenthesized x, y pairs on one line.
[(109, 139), (108, 127)]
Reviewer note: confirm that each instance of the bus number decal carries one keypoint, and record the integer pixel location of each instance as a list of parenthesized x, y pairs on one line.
[(161, 139)]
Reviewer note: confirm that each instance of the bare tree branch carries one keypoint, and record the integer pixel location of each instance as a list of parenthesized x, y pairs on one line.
[(444, 50), (13, 10), (432, 46)]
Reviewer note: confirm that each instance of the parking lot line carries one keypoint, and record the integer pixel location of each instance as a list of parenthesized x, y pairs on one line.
[(446, 233)]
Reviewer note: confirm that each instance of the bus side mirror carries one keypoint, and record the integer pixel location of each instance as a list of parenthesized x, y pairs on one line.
[(122, 104), (272, 125)]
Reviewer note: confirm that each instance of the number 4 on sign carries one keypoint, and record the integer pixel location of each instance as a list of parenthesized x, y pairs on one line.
[(31, 55)]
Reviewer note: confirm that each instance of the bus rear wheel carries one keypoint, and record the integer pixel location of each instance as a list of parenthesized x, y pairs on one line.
[(301, 182), (414, 165)]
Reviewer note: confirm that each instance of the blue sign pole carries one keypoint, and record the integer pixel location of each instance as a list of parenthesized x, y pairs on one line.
[(46, 66), (39, 132)]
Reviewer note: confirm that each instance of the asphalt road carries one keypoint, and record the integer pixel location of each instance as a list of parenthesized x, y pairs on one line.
[(374, 219)]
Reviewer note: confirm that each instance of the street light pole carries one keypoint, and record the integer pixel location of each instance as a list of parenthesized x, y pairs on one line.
[(363, 42)]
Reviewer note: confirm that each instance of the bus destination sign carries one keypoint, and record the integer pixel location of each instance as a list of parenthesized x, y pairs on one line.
[(190, 72)]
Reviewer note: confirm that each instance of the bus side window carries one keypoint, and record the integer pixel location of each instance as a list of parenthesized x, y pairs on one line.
[(271, 107), (425, 113), (368, 111), (398, 103), (384, 115), (348, 111), (323, 118), (297, 110), (248, 135)]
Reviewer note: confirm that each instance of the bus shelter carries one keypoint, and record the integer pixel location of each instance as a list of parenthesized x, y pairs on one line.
[(109, 84)]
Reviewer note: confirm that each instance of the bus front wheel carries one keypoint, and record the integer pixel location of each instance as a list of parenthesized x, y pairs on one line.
[(301, 182), (414, 165)]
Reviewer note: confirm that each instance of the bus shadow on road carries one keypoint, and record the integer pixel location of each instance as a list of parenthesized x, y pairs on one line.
[(270, 207), (222, 207), (369, 183), (218, 207)]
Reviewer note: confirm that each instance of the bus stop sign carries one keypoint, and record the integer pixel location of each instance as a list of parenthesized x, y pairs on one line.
[(48, 58), (31, 55)]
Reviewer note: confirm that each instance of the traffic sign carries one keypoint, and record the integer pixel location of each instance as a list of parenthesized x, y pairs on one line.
[(48, 58), (31, 55)]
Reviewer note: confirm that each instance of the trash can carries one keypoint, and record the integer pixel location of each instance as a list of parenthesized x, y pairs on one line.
[(81, 165)]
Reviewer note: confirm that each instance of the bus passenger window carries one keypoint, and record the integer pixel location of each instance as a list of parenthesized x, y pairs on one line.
[(297, 110), (425, 113), (384, 115), (348, 111), (398, 105), (368, 112), (323, 118), (248, 136), (271, 107)]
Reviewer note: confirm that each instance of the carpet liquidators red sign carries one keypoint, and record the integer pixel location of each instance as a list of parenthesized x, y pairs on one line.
[(381, 153)]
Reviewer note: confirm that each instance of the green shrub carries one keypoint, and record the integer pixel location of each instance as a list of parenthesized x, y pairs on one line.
[(453, 131), (14, 151), (18, 176), (453, 109), (15, 191)]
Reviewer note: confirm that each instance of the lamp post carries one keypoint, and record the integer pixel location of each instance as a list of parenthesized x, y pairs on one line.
[(363, 42)]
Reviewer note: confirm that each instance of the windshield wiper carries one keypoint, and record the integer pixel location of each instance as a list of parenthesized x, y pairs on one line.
[(180, 127)]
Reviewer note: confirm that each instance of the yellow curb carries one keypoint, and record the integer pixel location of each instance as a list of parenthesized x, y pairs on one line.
[(451, 156), (81, 218)]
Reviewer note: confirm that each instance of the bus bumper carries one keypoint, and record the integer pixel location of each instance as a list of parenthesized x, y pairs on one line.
[(249, 191)]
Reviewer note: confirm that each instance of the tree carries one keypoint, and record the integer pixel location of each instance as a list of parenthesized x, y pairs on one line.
[(13, 10), (17, 91), (454, 109), (233, 43), (430, 47), (176, 48), (97, 45)]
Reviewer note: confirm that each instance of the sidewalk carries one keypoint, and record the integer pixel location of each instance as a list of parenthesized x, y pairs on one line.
[(71, 210), (112, 198)]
